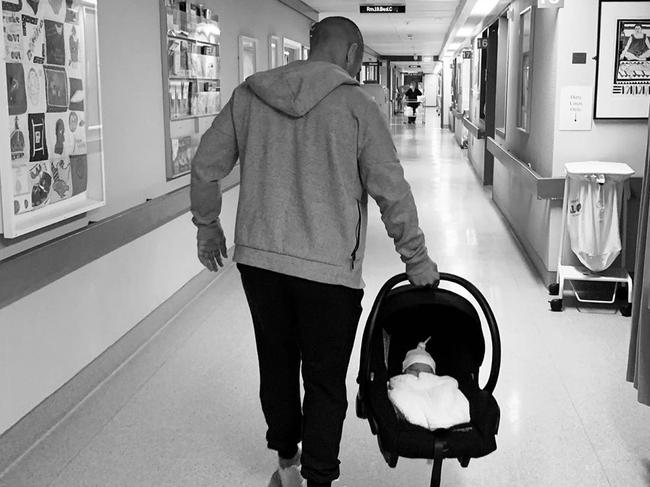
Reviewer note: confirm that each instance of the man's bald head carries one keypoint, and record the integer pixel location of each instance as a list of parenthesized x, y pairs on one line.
[(337, 40)]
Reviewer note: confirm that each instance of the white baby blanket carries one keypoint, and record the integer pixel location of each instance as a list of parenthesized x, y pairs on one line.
[(429, 400)]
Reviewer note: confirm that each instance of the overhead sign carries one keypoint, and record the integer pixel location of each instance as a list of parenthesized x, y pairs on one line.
[(550, 3), (382, 9), (482, 42)]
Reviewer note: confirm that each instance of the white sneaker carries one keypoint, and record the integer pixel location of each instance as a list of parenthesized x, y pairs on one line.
[(288, 474), (291, 477)]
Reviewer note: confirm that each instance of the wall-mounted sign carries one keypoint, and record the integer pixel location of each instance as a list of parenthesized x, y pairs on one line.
[(579, 58), (414, 66), (372, 63), (382, 9), (576, 108), (550, 3), (467, 54), (482, 43)]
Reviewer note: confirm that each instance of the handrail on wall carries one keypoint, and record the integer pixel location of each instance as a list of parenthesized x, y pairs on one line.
[(55, 259), (458, 114), (544, 188), (474, 129)]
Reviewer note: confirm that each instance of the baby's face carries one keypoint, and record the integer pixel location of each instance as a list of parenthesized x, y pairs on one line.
[(415, 369)]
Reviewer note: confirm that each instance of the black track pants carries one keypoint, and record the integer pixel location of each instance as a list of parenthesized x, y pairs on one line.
[(297, 320)]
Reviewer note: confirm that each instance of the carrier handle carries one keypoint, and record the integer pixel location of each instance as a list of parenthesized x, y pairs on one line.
[(464, 283)]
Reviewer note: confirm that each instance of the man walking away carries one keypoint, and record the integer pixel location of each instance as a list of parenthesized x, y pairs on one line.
[(312, 147)]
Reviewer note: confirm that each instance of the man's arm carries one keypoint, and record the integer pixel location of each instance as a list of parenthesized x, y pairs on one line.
[(214, 159), (383, 177)]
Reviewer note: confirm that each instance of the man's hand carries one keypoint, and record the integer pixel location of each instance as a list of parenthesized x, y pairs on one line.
[(425, 274), (212, 251)]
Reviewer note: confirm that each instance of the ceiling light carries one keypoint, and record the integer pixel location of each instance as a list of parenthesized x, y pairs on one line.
[(483, 7), (466, 31)]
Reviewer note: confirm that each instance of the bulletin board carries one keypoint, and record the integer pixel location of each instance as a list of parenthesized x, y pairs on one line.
[(191, 37), (51, 161)]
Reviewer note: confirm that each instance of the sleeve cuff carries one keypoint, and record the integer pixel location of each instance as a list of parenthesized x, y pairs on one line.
[(208, 232)]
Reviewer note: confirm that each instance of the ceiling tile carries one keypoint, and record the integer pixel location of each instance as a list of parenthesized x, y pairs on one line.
[(426, 20)]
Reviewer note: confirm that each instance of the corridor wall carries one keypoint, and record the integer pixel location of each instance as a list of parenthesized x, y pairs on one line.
[(47, 337), (475, 145), (609, 140), (446, 93), (557, 34)]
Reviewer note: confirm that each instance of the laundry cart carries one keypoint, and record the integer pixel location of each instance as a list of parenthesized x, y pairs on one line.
[(592, 240)]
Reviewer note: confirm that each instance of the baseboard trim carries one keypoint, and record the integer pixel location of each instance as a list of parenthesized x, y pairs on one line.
[(528, 250), (29, 431)]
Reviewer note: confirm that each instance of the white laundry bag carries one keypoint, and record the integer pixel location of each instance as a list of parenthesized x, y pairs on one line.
[(594, 203)]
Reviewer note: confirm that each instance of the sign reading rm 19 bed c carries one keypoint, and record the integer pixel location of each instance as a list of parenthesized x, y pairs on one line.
[(382, 9)]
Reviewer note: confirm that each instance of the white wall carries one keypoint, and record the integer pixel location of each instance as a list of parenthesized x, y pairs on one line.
[(502, 73), (431, 89), (50, 335), (466, 79), (476, 147), (557, 34), (536, 146), (446, 91), (611, 140), (535, 222), (270, 18)]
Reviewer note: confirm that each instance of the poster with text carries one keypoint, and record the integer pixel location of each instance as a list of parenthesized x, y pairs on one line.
[(46, 99)]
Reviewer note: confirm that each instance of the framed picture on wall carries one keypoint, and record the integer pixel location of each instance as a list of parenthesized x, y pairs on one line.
[(274, 52), (623, 60), (247, 57), (51, 145)]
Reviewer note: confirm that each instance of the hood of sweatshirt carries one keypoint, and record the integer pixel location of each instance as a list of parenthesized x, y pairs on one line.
[(298, 87)]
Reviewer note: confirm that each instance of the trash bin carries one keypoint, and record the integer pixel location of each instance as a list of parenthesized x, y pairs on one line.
[(594, 196), (594, 205)]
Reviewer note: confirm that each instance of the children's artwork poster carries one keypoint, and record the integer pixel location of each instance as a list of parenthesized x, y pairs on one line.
[(33, 30), (44, 66), (54, 43), (16, 91), (12, 29), (36, 88), (623, 76), (74, 50)]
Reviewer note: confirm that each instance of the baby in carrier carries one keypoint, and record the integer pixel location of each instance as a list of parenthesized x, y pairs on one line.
[(425, 399)]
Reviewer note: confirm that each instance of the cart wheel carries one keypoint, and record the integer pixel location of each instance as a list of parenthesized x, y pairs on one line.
[(554, 289), (556, 304), (361, 409), (626, 310)]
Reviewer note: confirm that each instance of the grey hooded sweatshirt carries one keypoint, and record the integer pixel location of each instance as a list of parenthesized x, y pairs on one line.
[(312, 146)]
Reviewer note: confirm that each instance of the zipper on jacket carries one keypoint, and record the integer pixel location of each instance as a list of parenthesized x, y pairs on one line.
[(356, 245)]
